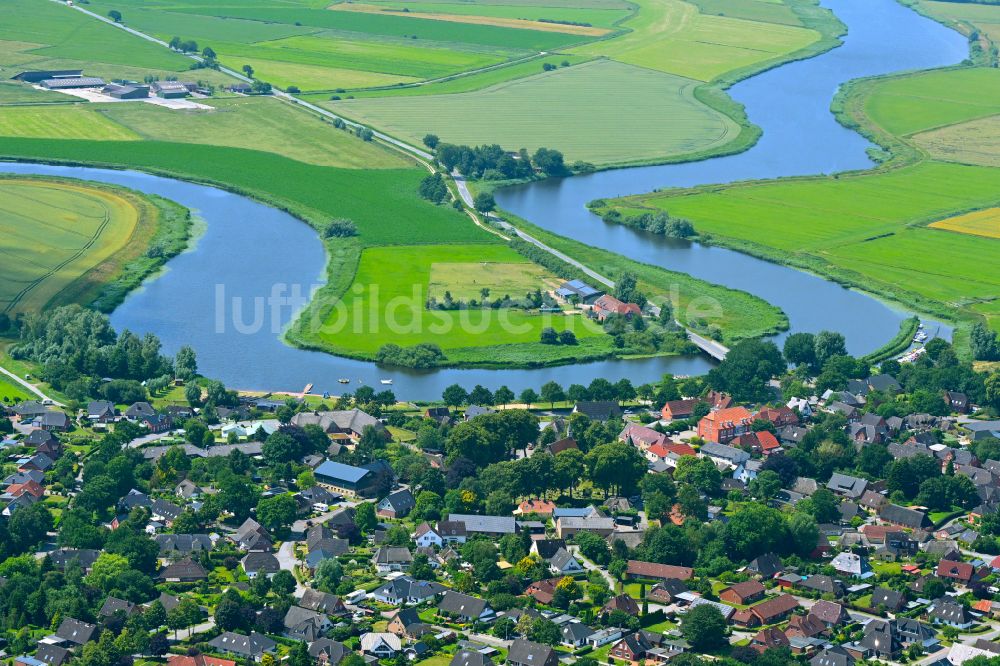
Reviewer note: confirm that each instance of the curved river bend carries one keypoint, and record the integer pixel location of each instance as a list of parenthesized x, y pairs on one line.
[(248, 247)]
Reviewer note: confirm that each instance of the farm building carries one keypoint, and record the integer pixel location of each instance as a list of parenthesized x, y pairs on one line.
[(67, 82), (170, 89), (41, 75), (119, 91), (579, 289)]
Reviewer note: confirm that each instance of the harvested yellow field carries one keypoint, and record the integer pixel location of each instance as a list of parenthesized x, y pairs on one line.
[(499, 21), (975, 142), (984, 223)]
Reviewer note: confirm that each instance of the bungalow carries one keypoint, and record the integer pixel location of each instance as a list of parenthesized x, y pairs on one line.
[(251, 647), (467, 657), (304, 624), (947, 611), (406, 590), (724, 455), (959, 571), (391, 558), (543, 591), (183, 571), (805, 626), (829, 613), (743, 594), (903, 517), (406, 623), (464, 607), (667, 591), (453, 531), (722, 426), (622, 602), (655, 571), (598, 410), (321, 602), (260, 563), (890, 600), (765, 639), (397, 504), (575, 634), (766, 566), (846, 485), (822, 584), (852, 564), (173, 546), (597, 524), (495, 526), (48, 655), (252, 536), (772, 611), (72, 632), (139, 410), (529, 653)]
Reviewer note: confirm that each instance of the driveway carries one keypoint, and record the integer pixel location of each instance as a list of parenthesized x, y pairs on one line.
[(287, 561)]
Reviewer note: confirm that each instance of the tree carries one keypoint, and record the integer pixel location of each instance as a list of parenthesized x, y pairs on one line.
[(667, 545), (747, 369), (615, 466), (248, 70), (208, 53), (984, 343), (186, 363), (328, 575), (528, 397), (828, 345), (766, 485), (431, 141), (800, 349), (115, 16), (364, 517), (626, 289), (821, 505), (455, 396), (593, 547), (283, 582), (548, 336), (504, 396), (484, 202), (700, 473), (755, 530), (433, 188), (549, 161), (704, 628), (277, 511), (480, 395), (552, 393)]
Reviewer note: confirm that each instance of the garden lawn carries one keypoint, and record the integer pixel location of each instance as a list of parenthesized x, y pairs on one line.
[(562, 110), (260, 123), (52, 233), (386, 304)]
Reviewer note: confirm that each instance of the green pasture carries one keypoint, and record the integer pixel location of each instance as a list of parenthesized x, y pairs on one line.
[(928, 100), (313, 77), (258, 123), (386, 304), (751, 10), (985, 17), (562, 109), (12, 92), (396, 26), (673, 36), (383, 203), (76, 121), (52, 233), (11, 392)]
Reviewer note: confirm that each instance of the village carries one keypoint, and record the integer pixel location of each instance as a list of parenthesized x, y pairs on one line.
[(626, 526)]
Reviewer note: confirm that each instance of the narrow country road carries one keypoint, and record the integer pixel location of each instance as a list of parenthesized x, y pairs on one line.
[(30, 387)]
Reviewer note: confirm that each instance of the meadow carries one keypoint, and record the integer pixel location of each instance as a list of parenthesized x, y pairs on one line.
[(61, 122), (11, 392), (984, 223), (398, 278), (502, 276), (602, 17), (973, 142), (53, 233), (870, 229), (49, 35), (561, 109)]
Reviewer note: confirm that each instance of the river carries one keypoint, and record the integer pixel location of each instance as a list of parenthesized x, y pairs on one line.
[(246, 247)]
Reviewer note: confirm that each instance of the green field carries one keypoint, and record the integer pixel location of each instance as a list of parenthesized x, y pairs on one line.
[(557, 109), (52, 233), (386, 304), (11, 392), (974, 142), (598, 17), (869, 229), (675, 37), (49, 35)]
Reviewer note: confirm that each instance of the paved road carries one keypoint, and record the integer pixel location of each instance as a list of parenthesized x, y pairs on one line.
[(30, 387), (287, 561), (590, 566)]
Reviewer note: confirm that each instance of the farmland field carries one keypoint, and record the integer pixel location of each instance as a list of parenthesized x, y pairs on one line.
[(605, 17), (397, 280), (61, 122), (974, 142), (978, 223), (52, 233), (557, 109), (465, 281), (11, 392)]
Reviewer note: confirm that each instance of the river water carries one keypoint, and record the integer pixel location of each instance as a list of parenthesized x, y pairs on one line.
[(246, 248)]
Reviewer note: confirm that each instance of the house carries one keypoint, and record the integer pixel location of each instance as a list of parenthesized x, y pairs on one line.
[(766, 566), (73, 632), (425, 536), (669, 453), (113, 605), (607, 305), (743, 594), (260, 563), (351, 422), (852, 564), (833, 656), (164, 511), (321, 602), (890, 600), (667, 591), (847, 486), (575, 634), (674, 410), (464, 607), (528, 653), (452, 531), (157, 423), (578, 291), (51, 655), (724, 455), (631, 648), (903, 517), (829, 613), (958, 571), (655, 571), (805, 626), (724, 425), (183, 571), (597, 524), (406, 590), (85, 557), (947, 611), (397, 504), (979, 430), (598, 410), (773, 610), (765, 639), (328, 652), (322, 538), (642, 437), (406, 623), (563, 563), (250, 647), (779, 416), (564, 444), (622, 602), (823, 584), (496, 526), (543, 591), (139, 410), (466, 657), (535, 506), (345, 479), (304, 624), (252, 536), (197, 660), (391, 558), (187, 489)]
